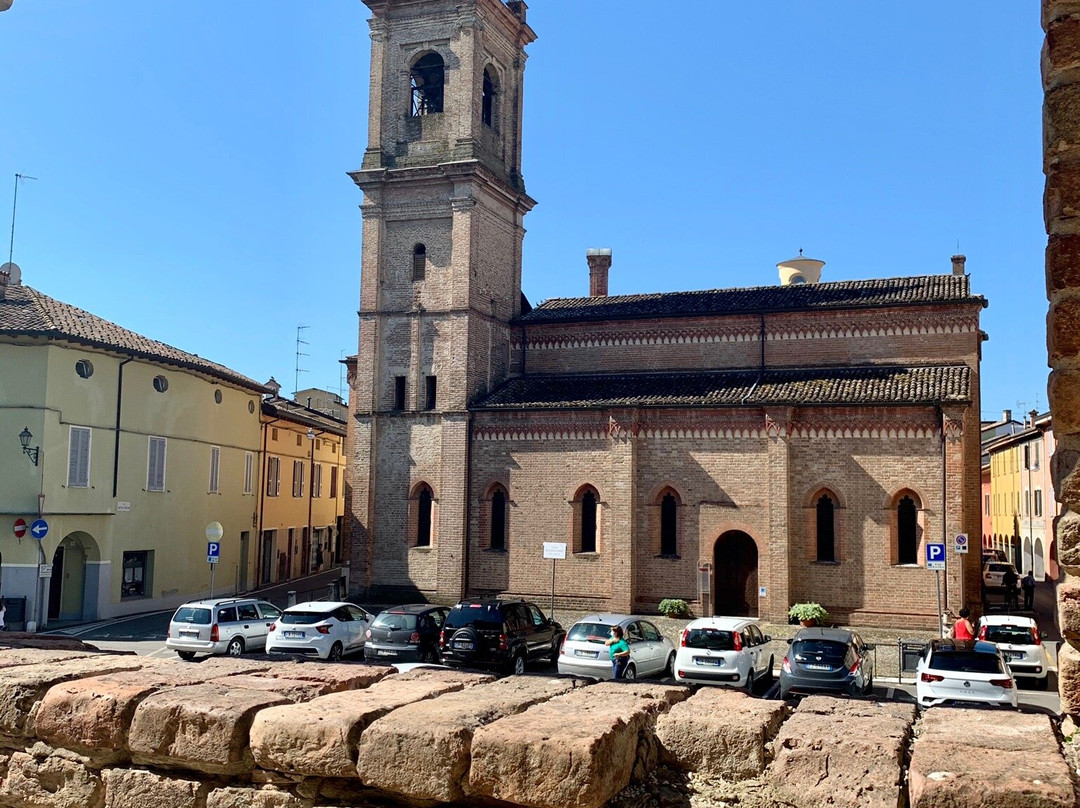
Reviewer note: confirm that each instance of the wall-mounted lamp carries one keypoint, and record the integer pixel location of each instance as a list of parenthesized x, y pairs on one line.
[(30, 451), (311, 434)]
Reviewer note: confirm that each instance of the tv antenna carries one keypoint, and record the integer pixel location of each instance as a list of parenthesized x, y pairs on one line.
[(300, 329), (14, 206)]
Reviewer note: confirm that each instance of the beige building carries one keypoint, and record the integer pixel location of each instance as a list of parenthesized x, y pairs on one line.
[(132, 448)]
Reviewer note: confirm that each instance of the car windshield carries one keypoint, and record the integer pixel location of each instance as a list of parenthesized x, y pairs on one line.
[(1018, 635), (589, 632), (712, 639), (483, 616), (192, 614), (825, 649), (965, 662), (999, 567), (303, 618), (395, 621)]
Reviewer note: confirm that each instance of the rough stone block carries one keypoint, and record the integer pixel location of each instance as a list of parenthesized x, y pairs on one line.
[(320, 737), (43, 780), (1063, 328), (339, 676), (720, 733), (23, 686), (1065, 465), (435, 736), (1063, 44), (1068, 661), (842, 752), (574, 751), (1068, 593), (1061, 119), (254, 798), (1064, 392), (1061, 199), (14, 657), (291, 689), (135, 788), (974, 758), (201, 727)]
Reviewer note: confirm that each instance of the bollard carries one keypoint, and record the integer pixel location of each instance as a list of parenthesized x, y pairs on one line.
[(291, 598), (331, 592)]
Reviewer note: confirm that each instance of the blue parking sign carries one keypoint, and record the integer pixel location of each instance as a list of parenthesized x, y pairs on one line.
[(213, 552), (935, 556)]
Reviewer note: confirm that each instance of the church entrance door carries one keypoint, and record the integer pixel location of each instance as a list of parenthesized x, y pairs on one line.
[(735, 561)]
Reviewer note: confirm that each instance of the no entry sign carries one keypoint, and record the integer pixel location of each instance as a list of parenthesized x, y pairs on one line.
[(20, 527)]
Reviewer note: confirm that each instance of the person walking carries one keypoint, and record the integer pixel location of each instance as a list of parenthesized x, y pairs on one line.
[(1028, 585), (963, 629), (619, 651), (1009, 580)]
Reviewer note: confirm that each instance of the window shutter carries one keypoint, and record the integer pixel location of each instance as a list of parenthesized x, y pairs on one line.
[(249, 460), (79, 458), (215, 465), (155, 473)]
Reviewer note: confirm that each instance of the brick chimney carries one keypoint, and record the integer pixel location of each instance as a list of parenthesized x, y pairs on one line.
[(1006, 415), (958, 264), (599, 264)]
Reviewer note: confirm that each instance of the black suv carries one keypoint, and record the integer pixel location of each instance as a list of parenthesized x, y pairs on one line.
[(496, 633)]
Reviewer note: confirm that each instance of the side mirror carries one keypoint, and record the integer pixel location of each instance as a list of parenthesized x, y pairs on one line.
[(789, 640), (869, 646), (768, 638)]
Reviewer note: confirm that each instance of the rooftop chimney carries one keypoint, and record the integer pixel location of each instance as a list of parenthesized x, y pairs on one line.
[(958, 264), (599, 264), (1006, 415), (4, 278)]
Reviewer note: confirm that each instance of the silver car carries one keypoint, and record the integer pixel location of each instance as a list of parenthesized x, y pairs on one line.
[(584, 653), (220, 626)]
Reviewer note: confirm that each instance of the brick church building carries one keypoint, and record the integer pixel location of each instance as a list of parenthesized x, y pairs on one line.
[(743, 449)]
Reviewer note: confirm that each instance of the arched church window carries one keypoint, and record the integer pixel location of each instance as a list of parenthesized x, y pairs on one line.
[(419, 262), (588, 522), (826, 528), (491, 91), (424, 500), (669, 508), (427, 77), (498, 519), (907, 534)]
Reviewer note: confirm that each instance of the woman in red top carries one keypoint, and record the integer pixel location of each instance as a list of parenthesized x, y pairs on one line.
[(962, 628)]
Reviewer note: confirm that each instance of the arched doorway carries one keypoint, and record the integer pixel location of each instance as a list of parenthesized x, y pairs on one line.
[(72, 594), (735, 561), (1039, 566)]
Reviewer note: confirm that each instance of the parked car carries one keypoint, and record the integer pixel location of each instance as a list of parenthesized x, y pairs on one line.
[(831, 660), (964, 671), (498, 633), (1020, 644), (994, 555), (220, 626), (728, 651), (993, 572), (407, 633), (584, 652), (319, 628)]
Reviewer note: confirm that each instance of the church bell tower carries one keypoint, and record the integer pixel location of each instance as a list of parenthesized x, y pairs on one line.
[(443, 210)]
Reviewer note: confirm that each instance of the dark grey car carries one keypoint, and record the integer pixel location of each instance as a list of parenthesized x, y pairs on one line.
[(408, 633), (827, 660)]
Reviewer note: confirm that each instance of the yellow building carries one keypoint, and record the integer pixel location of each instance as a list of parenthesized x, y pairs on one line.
[(132, 448), (302, 500)]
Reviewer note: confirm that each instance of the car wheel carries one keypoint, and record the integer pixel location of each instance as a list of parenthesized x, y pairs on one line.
[(335, 653), (630, 673), (750, 681), (669, 669), (430, 656), (519, 665), (187, 656), (555, 646), (235, 647), (769, 670)]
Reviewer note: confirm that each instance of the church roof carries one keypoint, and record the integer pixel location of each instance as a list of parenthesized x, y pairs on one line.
[(918, 290), (881, 385), (26, 312)]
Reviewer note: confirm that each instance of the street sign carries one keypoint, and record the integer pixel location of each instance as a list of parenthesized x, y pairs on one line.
[(20, 527), (213, 552), (39, 529), (44, 571), (555, 550), (935, 556), (960, 543)]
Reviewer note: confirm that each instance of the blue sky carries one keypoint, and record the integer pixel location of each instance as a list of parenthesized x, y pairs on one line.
[(191, 160)]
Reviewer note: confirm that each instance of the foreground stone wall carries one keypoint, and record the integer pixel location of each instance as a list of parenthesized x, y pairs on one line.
[(87, 730)]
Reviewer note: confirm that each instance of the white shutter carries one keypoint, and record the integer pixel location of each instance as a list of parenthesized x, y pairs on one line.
[(79, 457), (249, 464), (215, 465), (155, 466)]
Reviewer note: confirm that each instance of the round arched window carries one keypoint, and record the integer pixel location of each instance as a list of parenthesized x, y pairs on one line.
[(161, 384), (251, 406), (217, 396), (85, 368)]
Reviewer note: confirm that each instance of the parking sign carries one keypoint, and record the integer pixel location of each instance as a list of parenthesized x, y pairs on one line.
[(935, 556), (960, 543), (213, 552)]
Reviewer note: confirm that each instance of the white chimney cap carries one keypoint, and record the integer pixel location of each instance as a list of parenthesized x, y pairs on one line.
[(598, 251)]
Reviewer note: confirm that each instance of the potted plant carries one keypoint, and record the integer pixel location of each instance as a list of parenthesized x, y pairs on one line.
[(808, 614), (674, 607)]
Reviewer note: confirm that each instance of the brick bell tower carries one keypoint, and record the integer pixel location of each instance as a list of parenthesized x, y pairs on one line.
[(443, 210)]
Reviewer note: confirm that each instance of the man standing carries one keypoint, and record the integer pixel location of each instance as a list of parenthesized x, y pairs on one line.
[(1008, 580), (1028, 585)]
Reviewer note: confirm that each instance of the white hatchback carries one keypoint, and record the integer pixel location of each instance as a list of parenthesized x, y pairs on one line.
[(963, 671), (1020, 644), (323, 629), (729, 651)]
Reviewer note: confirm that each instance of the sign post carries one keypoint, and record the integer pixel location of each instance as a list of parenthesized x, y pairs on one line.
[(214, 532), (935, 560), (556, 551)]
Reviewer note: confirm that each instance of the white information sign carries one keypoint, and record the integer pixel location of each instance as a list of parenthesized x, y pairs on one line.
[(960, 543), (555, 550)]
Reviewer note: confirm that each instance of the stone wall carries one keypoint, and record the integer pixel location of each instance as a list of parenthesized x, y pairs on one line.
[(1061, 163), (86, 730)]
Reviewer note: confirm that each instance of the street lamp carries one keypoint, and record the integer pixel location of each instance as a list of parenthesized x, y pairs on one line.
[(30, 451)]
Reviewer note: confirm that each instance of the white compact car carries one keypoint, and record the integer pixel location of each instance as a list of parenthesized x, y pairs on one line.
[(584, 652), (963, 671), (728, 651), (994, 571), (1020, 644), (319, 628)]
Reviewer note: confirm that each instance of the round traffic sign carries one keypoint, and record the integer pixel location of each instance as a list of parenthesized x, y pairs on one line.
[(20, 527), (39, 529), (214, 531)]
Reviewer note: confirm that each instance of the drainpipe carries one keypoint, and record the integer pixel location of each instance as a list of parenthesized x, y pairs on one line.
[(761, 365), (116, 443)]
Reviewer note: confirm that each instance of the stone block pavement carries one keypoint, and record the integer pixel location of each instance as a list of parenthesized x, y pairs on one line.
[(92, 730)]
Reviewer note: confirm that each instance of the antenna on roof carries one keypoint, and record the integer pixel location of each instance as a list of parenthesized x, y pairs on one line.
[(14, 205), (296, 378)]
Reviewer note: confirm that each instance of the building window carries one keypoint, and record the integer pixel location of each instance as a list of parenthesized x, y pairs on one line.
[(491, 89), (316, 481), (298, 478), (426, 77), (986, 504), (155, 465), (136, 583), (429, 401), (399, 392), (299, 440), (669, 509), (273, 476), (78, 475), (1038, 502), (498, 519), (333, 482), (419, 262), (249, 468), (217, 396), (1027, 501), (273, 433), (84, 368), (826, 528), (161, 384), (424, 506), (585, 527), (907, 531), (215, 467)]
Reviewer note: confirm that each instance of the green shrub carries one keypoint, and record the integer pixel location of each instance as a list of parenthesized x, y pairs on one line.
[(674, 607), (808, 611)]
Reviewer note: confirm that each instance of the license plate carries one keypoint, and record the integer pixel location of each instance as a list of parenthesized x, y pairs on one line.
[(1013, 657), (812, 667), (465, 646), (587, 654), (702, 660), (189, 634), (293, 635), (381, 652)]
